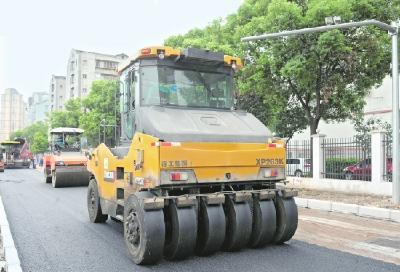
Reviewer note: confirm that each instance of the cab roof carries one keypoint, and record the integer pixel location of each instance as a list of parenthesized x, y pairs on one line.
[(169, 52), (9, 143), (66, 130)]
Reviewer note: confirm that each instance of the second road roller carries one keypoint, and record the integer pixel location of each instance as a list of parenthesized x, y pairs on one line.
[(192, 174), (65, 164)]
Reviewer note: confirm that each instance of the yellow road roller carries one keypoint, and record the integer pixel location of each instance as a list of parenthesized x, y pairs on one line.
[(191, 174)]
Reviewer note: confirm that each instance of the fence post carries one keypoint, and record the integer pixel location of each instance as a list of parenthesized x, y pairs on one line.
[(318, 156), (377, 156)]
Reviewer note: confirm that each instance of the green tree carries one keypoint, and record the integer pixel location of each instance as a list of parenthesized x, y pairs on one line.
[(40, 143), (101, 104), (313, 77), (35, 135), (68, 117)]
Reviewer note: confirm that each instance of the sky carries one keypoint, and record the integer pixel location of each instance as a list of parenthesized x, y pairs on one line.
[(36, 37)]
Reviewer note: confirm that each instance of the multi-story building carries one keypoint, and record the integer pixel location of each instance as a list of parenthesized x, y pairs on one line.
[(57, 93), (38, 106), (85, 67), (12, 112)]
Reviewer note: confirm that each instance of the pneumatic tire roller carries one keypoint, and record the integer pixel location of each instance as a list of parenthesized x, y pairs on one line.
[(191, 174)]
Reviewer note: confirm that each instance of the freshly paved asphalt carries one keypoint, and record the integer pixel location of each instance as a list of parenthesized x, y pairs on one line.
[(52, 232)]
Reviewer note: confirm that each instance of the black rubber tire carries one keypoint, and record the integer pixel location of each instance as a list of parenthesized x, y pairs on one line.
[(46, 178), (238, 224), (115, 219), (149, 225), (54, 182), (211, 229), (93, 204), (180, 231), (348, 176), (264, 223), (286, 218)]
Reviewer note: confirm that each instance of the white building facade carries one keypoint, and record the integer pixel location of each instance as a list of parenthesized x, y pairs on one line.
[(38, 106), (57, 93), (85, 67), (12, 112)]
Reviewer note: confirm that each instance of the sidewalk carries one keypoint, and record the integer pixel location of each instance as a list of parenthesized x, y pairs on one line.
[(359, 199), (374, 206)]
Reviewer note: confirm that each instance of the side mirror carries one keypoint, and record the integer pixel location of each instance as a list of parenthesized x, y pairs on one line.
[(88, 155)]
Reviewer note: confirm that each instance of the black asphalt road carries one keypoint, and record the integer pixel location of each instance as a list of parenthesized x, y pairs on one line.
[(52, 232)]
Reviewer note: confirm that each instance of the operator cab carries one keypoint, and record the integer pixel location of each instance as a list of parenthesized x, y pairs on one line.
[(186, 95), (66, 139)]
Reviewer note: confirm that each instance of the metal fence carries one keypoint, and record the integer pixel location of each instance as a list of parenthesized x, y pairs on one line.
[(347, 158), (298, 158), (387, 157)]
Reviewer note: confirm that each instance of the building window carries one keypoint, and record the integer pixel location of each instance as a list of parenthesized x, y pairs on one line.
[(84, 90), (106, 64), (84, 75)]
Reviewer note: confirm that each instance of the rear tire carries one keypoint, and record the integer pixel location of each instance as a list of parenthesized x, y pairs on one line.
[(180, 231), (348, 176), (264, 222), (287, 219), (238, 224), (46, 177), (144, 231), (211, 228), (93, 203), (298, 173)]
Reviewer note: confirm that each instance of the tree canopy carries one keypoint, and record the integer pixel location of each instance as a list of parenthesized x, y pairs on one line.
[(36, 135), (100, 104), (301, 80)]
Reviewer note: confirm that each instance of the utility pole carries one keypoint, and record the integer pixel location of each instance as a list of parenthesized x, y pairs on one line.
[(393, 31)]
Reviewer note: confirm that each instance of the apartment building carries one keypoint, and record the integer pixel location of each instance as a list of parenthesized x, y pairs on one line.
[(38, 106), (12, 112), (57, 93), (85, 67)]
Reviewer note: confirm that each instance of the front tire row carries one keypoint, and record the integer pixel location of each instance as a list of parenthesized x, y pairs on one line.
[(176, 232)]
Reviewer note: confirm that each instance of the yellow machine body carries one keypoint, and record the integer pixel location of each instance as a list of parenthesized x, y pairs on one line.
[(210, 162)]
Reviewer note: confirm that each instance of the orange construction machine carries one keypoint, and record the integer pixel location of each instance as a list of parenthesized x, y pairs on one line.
[(65, 164)]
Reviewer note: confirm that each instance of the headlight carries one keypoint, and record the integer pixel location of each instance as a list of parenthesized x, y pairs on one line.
[(60, 163)]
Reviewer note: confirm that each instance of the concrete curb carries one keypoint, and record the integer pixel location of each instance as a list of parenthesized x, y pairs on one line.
[(363, 211), (10, 251)]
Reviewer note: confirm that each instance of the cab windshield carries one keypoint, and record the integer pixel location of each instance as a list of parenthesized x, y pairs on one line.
[(67, 142), (186, 88)]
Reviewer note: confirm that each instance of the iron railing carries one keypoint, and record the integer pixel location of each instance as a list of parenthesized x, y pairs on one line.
[(347, 158), (387, 157), (298, 158)]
